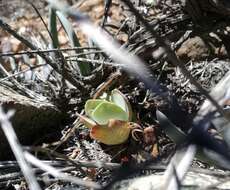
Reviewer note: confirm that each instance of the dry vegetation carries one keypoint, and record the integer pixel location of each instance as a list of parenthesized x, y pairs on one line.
[(170, 58)]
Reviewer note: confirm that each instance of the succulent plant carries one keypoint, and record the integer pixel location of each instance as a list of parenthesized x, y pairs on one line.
[(109, 119)]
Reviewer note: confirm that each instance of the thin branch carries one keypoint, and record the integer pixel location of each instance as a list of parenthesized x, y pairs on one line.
[(92, 61), (93, 164), (21, 72), (171, 55), (181, 167), (56, 173), (21, 87), (40, 16), (45, 51), (17, 149), (56, 66)]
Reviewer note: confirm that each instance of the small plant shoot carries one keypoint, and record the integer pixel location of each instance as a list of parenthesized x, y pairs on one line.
[(109, 120)]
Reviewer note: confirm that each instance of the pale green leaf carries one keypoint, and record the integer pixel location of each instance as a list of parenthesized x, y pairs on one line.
[(108, 110), (119, 99), (91, 104)]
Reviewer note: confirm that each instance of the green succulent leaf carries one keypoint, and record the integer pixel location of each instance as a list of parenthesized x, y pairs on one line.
[(170, 129), (120, 100), (91, 105), (108, 119), (106, 111), (84, 68), (53, 27)]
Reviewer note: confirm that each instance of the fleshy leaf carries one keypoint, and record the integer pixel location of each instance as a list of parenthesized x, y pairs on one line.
[(90, 105), (119, 99), (170, 129), (84, 67), (87, 121), (53, 27), (106, 111), (116, 132)]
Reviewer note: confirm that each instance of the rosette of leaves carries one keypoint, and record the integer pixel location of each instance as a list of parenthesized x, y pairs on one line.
[(109, 119)]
